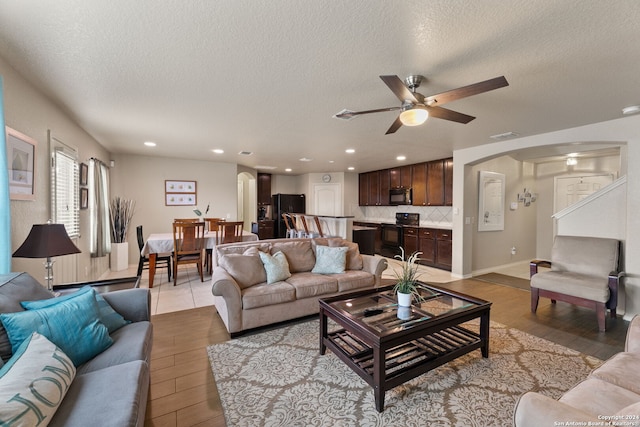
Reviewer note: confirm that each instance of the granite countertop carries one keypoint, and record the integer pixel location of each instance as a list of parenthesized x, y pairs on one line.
[(423, 224)]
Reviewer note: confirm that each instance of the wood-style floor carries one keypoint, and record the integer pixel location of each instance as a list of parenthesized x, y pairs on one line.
[(183, 391)]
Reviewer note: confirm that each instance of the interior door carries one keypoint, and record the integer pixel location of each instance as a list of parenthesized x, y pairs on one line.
[(572, 189), (327, 199)]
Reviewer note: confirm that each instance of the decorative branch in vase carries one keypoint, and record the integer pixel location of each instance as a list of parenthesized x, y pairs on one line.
[(199, 212), (407, 278), (121, 213)]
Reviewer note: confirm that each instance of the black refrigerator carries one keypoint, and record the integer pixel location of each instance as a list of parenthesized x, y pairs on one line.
[(285, 203)]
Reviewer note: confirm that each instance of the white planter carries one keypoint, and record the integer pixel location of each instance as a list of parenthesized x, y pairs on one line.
[(119, 256), (404, 300)]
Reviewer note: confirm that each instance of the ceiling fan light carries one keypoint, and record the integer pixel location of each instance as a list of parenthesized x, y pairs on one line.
[(414, 117)]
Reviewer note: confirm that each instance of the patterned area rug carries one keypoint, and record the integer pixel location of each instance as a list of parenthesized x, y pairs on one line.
[(278, 378)]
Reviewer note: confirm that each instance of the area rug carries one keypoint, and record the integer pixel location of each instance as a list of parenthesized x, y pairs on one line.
[(503, 279), (278, 378)]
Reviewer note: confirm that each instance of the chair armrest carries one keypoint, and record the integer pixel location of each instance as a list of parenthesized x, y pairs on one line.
[(375, 265), (225, 286), (537, 410), (132, 304), (535, 263), (632, 343)]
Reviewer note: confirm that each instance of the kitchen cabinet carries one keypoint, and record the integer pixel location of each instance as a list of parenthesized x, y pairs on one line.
[(410, 236), (435, 183), (264, 189), (435, 245), (373, 188), (377, 243), (448, 182), (400, 177), (419, 184), (264, 229)]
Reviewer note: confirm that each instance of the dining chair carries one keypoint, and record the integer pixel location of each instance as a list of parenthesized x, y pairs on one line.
[(143, 263), (188, 244), (186, 220), (212, 226), (227, 232)]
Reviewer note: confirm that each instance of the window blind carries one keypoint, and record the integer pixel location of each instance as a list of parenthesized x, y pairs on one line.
[(65, 188)]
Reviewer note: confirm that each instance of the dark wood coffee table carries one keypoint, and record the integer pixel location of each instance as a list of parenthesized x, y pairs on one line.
[(388, 345)]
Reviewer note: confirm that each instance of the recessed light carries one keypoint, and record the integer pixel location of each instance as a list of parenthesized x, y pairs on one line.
[(350, 150), (632, 109), (351, 168), (305, 159), (331, 161), (150, 144), (218, 151), (287, 170), (401, 158), (505, 135)]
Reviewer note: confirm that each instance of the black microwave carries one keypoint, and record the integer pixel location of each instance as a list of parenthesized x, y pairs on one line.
[(400, 196)]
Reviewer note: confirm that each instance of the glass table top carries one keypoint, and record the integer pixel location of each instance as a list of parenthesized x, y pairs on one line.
[(380, 310)]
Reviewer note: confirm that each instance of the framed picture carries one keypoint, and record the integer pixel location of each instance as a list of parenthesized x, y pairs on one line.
[(84, 198), (171, 186), (84, 171), (21, 153), (178, 199)]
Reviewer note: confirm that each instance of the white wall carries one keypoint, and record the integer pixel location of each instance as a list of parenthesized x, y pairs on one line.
[(141, 178), (30, 112)]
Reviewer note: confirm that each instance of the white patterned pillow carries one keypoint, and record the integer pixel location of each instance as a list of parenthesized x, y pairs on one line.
[(330, 260), (276, 266), (34, 382)]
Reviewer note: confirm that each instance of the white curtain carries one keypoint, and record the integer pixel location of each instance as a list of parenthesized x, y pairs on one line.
[(100, 235)]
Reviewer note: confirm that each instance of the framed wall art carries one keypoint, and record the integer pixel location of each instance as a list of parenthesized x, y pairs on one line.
[(21, 154), (84, 172), (84, 198), (180, 193)]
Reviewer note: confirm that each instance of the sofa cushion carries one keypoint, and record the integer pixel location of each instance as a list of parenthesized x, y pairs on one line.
[(299, 253), (276, 266), (330, 260), (16, 287), (131, 342), (264, 294), (592, 256), (246, 268), (354, 279), (37, 377), (73, 325), (579, 285), (621, 370), (310, 285), (597, 397), (354, 258), (108, 316), (115, 396)]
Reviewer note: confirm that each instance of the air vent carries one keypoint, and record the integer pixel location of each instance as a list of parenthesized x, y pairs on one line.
[(245, 153), (505, 135), (346, 115)]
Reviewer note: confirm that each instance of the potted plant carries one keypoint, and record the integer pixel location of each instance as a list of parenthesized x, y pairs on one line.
[(407, 278), (120, 214)]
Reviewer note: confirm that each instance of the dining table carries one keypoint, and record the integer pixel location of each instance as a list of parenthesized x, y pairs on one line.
[(162, 243)]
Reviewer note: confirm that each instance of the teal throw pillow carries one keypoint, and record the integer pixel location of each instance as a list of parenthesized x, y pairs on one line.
[(330, 260), (111, 318), (34, 382), (276, 266), (73, 325)]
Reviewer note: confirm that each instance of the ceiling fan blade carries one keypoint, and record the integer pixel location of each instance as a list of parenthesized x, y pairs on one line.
[(398, 88), (394, 127), (347, 114), (465, 91), (454, 116)]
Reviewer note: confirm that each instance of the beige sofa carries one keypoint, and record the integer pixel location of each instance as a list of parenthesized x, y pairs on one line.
[(611, 394), (245, 300)]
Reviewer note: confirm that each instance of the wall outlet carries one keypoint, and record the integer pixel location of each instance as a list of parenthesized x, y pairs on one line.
[(513, 250)]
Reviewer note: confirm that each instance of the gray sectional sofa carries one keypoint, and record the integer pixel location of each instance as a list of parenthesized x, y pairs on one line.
[(109, 389), (245, 300)]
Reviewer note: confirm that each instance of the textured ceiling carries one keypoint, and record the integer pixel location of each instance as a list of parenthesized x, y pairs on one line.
[(266, 76)]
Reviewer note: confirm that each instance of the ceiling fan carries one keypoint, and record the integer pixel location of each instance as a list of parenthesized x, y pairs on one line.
[(416, 108)]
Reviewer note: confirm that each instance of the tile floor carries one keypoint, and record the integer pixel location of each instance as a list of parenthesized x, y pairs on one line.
[(189, 292)]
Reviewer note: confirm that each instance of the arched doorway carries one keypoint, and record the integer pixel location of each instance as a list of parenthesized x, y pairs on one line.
[(247, 199)]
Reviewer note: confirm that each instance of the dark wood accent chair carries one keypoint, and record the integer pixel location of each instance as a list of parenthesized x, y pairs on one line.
[(188, 244), (143, 263)]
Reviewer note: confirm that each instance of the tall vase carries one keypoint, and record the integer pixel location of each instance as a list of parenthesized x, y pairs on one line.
[(404, 300), (119, 256)]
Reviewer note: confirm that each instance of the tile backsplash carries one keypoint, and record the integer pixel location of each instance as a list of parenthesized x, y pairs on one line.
[(429, 215)]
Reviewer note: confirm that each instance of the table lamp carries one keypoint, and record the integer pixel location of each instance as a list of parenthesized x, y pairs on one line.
[(46, 241)]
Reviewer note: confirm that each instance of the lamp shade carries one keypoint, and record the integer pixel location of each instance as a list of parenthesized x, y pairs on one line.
[(46, 240), (414, 117)]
